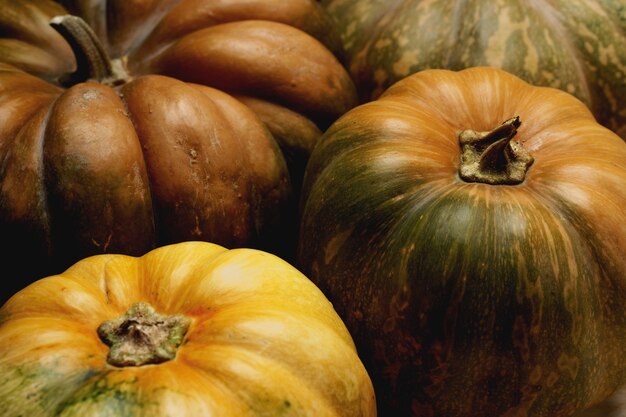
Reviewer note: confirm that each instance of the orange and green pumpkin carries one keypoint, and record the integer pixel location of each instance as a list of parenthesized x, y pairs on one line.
[(127, 135), (576, 45), (470, 229), (187, 330)]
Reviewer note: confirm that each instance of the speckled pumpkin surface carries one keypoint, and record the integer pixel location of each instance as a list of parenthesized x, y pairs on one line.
[(575, 45), (187, 330), (472, 290)]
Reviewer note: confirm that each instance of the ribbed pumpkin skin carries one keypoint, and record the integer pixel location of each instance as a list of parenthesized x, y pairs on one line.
[(89, 170), (277, 51), (468, 299), (578, 46), (157, 161), (263, 341)]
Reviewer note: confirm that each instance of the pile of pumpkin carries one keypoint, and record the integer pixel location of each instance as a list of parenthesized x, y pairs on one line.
[(187, 185)]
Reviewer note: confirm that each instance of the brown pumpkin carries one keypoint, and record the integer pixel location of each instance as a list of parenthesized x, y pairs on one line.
[(124, 138)]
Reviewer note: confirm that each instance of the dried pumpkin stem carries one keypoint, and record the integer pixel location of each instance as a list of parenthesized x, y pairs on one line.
[(92, 61), (494, 157), (142, 336)]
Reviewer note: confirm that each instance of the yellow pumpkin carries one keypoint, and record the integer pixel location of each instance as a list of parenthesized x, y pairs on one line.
[(189, 329)]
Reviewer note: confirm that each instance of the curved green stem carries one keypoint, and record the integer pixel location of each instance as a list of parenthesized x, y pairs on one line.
[(493, 157)]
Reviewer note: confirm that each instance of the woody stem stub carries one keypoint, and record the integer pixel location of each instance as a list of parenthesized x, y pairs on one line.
[(494, 157), (142, 336)]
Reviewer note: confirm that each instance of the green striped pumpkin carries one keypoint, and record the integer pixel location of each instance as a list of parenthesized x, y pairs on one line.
[(479, 266), (576, 45)]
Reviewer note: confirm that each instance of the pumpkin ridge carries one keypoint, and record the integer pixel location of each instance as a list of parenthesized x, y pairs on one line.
[(458, 17), (580, 222), (97, 388), (133, 120), (43, 190), (554, 20), (232, 380), (41, 221), (357, 56)]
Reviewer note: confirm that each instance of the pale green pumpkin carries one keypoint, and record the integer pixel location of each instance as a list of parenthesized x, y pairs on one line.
[(576, 45)]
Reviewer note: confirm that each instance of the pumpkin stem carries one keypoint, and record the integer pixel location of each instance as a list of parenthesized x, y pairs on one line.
[(494, 157), (92, 61), (142, 336)]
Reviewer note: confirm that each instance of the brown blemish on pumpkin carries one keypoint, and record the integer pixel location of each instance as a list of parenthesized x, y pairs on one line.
[(569, 365), (399, 304), (202, 313), (553, 377), (520, 338), (535, 375), (334, 244)]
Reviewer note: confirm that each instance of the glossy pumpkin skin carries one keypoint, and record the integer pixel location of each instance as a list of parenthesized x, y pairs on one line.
[(263, 340), (578, 46), (147, 159), (466, 298), (93, 170), (282, 53)]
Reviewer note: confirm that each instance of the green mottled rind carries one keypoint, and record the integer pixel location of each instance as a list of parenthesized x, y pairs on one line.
[(578, 46), (46, 385), (32, 389), (464, 299), (101, 398), (36, 386)]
